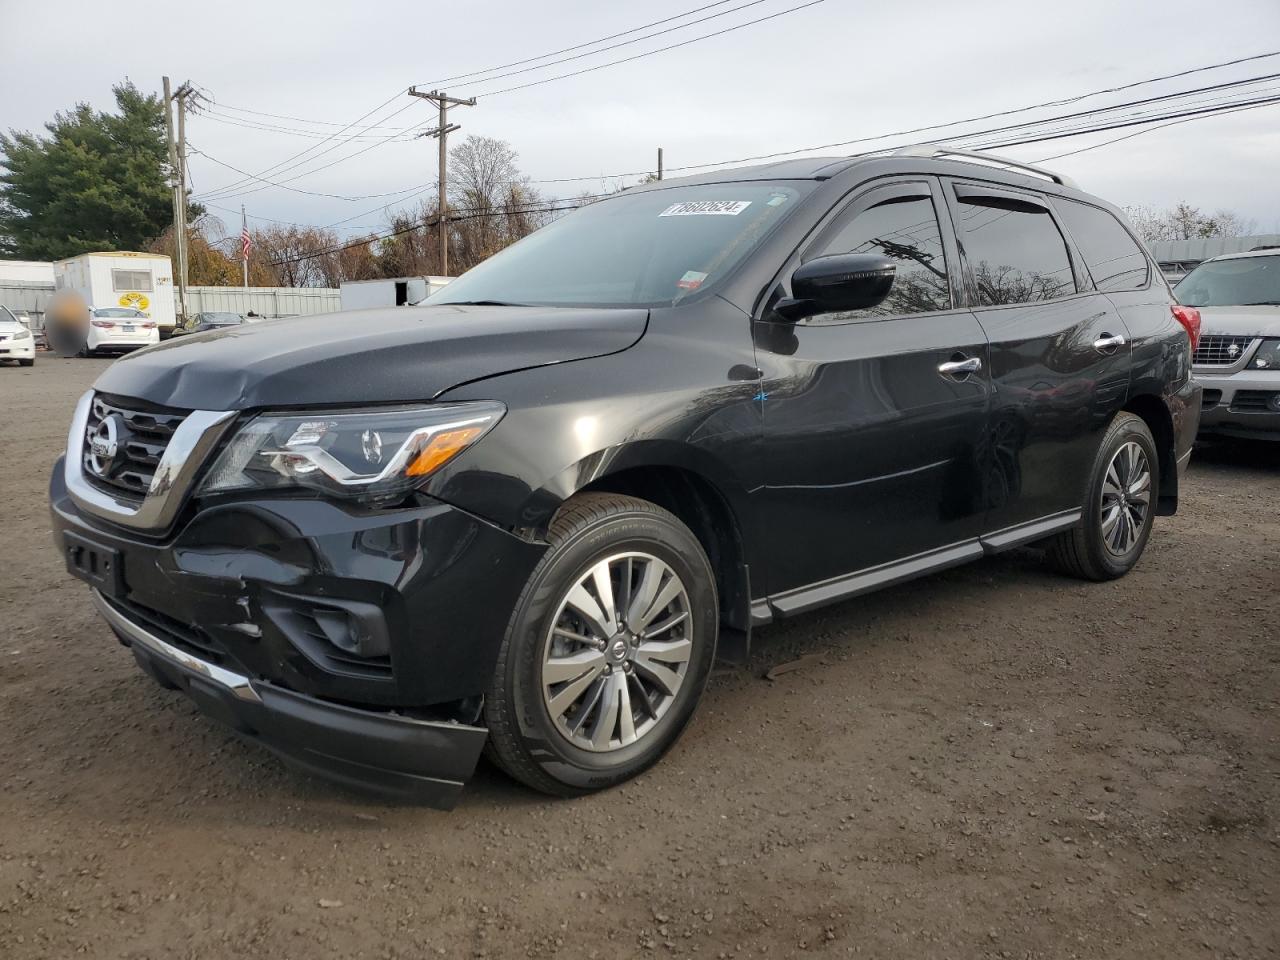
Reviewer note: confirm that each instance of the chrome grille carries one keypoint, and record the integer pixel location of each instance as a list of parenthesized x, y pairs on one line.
[(143, 432), (1220, 351)]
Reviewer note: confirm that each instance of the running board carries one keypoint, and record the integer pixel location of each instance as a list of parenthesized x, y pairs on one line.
[(854, 584), (803, 599), (1021, 533)]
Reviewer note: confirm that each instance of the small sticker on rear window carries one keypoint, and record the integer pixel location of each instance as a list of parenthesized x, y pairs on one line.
[(706, 208), (692, 280)]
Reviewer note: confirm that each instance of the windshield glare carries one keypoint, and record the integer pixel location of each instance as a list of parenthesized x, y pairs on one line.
[(1231, 283), (651, 248), (118, 312), (221, 318)]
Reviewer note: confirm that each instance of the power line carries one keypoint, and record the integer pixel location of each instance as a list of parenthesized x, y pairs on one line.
[(504, 66), (650, 53), (223, 194), (312, 193), (278, 168), (579, 46), (1161, 126), (615, 46), (1202, 111), (306, 173)]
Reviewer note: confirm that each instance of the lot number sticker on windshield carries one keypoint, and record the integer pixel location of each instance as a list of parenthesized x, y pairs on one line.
[(706, 208)]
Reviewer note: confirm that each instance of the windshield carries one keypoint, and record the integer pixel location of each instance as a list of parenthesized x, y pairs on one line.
[(6, 316), (1231, 283), (640, 249), (221, 319), (118, 312)]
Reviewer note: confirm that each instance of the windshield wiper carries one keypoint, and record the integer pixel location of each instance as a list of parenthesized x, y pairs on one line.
[(481, 303), (1262, 303)]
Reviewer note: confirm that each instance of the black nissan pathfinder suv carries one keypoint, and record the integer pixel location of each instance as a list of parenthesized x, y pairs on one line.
[(525, 512)]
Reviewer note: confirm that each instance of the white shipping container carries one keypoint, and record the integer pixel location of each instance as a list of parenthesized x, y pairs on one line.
[(141, 280), (392, 292)]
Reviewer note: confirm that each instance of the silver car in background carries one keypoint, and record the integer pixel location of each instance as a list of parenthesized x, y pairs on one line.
[(1238, 358)]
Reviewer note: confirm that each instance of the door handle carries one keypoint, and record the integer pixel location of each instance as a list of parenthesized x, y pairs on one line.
[(959, 369), (1108, 342)]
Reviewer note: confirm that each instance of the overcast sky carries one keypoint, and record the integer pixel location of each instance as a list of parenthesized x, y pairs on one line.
[(837, 70)]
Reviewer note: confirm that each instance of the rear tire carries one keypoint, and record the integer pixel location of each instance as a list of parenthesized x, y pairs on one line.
[(26, 363), (1119, 506), (580, 703)]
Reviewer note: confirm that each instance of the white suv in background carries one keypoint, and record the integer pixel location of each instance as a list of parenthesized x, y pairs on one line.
[(118, 328), (1238, 359), (16, 341)]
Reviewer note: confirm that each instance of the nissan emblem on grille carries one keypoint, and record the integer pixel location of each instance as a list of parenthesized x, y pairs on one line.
[(103, 445)]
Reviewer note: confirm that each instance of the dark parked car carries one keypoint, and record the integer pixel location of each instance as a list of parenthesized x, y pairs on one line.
[(210, 320), (526, 513)]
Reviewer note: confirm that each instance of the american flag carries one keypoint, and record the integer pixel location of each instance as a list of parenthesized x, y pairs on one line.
[(245, 242)]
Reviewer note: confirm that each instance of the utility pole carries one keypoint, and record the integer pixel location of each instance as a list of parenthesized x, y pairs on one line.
[(181, 95), (179, 198), (659, 163), (441, 133)]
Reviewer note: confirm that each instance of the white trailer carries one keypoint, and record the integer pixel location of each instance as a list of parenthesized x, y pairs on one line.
[(392, 292), (120, 279), (25, 272)]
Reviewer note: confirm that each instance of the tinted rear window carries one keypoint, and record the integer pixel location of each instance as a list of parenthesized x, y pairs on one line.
[(1015, 251), (1113, 257)]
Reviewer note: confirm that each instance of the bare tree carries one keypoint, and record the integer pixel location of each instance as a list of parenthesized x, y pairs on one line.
[(1185, 222)]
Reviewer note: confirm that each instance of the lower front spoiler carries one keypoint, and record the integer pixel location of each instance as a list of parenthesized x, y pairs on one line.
[(420, 761)]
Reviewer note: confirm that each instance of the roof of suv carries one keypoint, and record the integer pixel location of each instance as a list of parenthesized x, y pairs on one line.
[(824, 168)]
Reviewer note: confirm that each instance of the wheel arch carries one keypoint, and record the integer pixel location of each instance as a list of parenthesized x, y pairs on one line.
[(1155, 414), (702, 505)]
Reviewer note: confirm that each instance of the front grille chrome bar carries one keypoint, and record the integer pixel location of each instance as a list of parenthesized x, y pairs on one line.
[(189, 447)]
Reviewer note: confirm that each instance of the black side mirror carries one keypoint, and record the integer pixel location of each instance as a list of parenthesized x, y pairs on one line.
[(844, 281)]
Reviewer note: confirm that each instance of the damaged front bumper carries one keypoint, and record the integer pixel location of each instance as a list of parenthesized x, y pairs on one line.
[(356, 643), (415, 760)]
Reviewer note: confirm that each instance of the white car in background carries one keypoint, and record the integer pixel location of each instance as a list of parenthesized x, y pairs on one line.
[(16, 342), (119, 328)]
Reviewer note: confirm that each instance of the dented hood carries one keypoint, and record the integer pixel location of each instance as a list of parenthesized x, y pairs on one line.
[(389, 355)]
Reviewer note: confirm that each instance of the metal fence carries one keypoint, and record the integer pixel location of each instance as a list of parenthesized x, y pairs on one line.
[(264, 301), (31, 297)]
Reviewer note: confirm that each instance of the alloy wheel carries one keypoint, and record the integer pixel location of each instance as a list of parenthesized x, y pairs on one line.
[(617, 651), (1126, 498)]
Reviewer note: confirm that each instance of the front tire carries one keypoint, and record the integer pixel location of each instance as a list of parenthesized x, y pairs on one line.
[(1119, 506), (608, 650), (26, 363)]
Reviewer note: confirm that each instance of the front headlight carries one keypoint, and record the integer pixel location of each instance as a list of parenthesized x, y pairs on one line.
[(370, 456), (22, 335), (1268, 356)]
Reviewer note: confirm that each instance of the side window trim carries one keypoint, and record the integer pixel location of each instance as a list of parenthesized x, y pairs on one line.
[(915, 187), (955, 190), (859, 204)]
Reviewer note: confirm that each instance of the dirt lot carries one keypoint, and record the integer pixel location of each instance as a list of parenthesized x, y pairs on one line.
[(995, 762)]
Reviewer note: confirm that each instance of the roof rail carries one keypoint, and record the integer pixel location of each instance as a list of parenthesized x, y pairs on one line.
[(931, 150)]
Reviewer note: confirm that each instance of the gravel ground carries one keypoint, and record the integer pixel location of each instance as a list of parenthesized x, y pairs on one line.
[(992, 762)]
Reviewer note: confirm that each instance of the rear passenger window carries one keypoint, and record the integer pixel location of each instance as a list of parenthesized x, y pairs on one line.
[(1114, 259), (1015, 251), (904, 229)]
